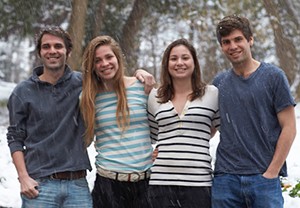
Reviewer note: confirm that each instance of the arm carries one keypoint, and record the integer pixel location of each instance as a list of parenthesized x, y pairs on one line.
[(28, 185), (287, 122), (145, 78)]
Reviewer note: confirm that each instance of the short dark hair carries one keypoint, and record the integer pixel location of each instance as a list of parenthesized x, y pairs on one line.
[(233, 22), (56, 31)]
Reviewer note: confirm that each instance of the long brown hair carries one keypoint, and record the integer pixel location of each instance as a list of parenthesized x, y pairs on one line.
[(166, 89), (92, 84)]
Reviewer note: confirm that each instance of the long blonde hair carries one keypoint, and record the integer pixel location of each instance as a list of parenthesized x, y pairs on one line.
[(91, 85)]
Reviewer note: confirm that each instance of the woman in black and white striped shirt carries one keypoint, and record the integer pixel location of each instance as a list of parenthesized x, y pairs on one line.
[(183, 114)]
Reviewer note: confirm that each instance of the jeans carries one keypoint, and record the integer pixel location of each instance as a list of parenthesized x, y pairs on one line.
[(179, 196), (246, 191), (55, 193), (109, 193)]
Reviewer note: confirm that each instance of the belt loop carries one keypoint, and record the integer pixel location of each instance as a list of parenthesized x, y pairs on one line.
[(129, 176), (117, 174)]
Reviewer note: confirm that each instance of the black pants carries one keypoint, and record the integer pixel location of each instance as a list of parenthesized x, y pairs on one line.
[(108, 193), (179, 196)]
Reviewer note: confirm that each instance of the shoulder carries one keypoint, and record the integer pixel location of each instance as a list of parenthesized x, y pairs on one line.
[(152, 99), (271, 72), (76, 75), (211, 88), (129, 81), (153, 93), (221, 76), (270, 68)]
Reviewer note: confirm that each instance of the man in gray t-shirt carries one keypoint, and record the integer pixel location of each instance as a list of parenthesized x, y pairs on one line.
[(257, 124)]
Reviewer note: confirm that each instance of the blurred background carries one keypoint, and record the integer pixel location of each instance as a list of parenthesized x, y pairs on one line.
[(145, 27)]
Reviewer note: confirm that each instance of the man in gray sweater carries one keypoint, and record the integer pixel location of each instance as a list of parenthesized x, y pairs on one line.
[(45, 134)]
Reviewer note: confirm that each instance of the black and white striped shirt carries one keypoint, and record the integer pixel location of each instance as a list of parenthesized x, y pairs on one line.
[(183, 140)]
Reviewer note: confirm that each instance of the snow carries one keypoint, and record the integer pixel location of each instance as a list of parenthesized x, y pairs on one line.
[(10, 188)]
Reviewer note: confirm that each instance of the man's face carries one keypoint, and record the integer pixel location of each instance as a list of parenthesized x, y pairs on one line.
[(53, 52), (236, 47)]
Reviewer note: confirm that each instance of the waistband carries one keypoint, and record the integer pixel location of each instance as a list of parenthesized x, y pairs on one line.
[(128, 177)]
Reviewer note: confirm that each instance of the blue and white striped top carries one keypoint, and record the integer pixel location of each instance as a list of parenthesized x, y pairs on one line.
[(128, 151), (183, 140)]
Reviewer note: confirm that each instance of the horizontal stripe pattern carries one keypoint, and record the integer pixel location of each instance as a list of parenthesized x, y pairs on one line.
[(128, 151), (183, 140)]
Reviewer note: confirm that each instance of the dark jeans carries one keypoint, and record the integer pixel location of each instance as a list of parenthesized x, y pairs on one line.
[(179, 196), (108, 193)]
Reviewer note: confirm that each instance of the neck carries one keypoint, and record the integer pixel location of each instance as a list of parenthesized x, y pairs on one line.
[(51, 76), (182, 87), (246, 69)]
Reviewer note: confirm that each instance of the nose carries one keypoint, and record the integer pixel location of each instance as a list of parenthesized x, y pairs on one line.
[(232, 45), (52, 49), (179, 61), (104, 62)]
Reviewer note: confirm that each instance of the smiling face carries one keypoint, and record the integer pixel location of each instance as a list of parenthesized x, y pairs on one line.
[(106, 63), (181, 63), (53, 52), (236, 47)]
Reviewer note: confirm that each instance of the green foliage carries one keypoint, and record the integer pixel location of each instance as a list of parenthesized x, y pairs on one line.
[(295, 191), (3, 103), (23, 18)]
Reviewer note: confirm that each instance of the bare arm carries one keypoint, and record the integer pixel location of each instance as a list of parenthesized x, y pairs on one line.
[(287, 122), (145, 78), (28, 185)]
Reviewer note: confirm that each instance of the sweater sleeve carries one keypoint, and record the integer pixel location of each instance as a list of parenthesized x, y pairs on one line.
[(16, 132)]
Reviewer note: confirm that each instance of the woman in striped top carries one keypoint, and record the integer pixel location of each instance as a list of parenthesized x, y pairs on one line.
[(183, 114), (114, 108)]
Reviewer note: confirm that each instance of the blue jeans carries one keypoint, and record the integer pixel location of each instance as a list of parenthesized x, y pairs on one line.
[(55, 193), (246, 191)]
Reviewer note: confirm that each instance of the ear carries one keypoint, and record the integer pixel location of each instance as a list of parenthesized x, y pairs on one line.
[(251, 41)]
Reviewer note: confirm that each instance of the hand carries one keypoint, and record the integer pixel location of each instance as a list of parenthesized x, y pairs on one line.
[(145, 78), (154, 154), (270, 175), (29, 187)]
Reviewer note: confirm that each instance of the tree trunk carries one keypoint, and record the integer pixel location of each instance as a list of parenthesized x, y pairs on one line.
[(99, 16), (285, 49), (128, 41), (77, 32)]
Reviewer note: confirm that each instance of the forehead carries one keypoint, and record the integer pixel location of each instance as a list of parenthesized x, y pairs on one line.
[(103, 50), (51, 39), (179, 49), (233, 34)]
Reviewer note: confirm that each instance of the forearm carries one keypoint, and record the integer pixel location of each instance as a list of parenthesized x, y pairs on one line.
[(283, 147), (19, 162)]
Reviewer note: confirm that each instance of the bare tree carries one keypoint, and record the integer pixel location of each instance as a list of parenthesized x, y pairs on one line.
[(77, 31), (130, 31), (99, 16)]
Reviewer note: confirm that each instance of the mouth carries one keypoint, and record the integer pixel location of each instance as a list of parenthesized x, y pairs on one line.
[(180, 69), (235, 54), (107, 70)]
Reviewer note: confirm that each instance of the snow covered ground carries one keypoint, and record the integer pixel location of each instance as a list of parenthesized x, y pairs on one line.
[(9, 185)]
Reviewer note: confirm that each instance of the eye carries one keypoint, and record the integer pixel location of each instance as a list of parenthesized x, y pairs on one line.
[(45, 46), (173, 58), (225, 42), (186, 57), (58, 46)]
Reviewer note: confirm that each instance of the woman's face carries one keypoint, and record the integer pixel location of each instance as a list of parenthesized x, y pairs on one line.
[(106, 63), (181, 62)]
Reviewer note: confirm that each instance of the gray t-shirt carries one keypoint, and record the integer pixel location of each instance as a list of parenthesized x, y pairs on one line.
[(249, 125)]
